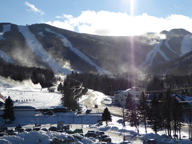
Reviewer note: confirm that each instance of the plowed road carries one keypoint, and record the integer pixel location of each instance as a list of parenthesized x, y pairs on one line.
[(95, 99)]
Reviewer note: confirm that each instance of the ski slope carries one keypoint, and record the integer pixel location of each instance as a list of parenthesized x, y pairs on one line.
[(37, 48), (186, 44), (67, 43)]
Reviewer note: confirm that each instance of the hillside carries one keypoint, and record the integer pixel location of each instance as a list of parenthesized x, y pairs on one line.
[(45, 46)]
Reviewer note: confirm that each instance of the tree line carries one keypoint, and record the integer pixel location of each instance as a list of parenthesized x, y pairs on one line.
[(101, 82), (44, 76), (162, 112)]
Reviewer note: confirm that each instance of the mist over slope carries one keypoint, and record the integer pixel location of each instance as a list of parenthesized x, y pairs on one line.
[(45, 46)]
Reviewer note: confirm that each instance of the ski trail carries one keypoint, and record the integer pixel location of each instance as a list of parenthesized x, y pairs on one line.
[(67, 43), (35, 45)]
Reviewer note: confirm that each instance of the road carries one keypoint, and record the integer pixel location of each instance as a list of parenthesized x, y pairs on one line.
[(92, 100), (90, 103)]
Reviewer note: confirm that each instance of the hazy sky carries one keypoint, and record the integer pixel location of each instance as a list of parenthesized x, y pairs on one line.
[(101, 17)]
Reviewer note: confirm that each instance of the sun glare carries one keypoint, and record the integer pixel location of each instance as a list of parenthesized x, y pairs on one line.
[(132, 7)]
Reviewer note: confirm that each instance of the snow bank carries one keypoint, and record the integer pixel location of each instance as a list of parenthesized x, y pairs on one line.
[(42, 137)]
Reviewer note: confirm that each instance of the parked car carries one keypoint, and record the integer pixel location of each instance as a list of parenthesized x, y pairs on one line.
[(3, 128), (44, 129), (150, 141), (10, 132), (50, 112), (28, 129), (90, 133), (36, 128), (78, 131), (66, 127), (99, 133), (20, 130), (105, 138), (53, 128), (18, 127), (69, 131), (2, 134), (88, 111)]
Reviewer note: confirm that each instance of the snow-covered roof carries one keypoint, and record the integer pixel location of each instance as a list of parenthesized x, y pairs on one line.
[(183, 98), (23, 107)]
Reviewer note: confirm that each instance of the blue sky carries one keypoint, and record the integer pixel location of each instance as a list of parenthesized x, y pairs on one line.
[(101, 17)]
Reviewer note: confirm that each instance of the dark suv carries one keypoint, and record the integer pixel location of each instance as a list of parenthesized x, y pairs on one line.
[(99, 133), (105, 138), (78, 131), (88, 111), (90, 134)]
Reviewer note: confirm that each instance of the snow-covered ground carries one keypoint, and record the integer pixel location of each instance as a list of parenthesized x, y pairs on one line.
[(43, 99)]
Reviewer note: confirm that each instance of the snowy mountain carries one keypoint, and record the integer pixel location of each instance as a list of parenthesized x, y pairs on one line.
[(42, 46)]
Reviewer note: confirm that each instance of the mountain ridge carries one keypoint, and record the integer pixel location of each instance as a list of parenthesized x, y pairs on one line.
[(91, 53)]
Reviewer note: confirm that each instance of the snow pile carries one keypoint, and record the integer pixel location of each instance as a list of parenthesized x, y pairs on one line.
[(43, 138)]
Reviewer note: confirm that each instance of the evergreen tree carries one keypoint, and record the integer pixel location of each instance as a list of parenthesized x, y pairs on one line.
[(106, 115), (68, 98), (143, 108), (132, 114), (188, 115), (59, 88), (166, 110), (178, 118), (155, 116), (8, 110)]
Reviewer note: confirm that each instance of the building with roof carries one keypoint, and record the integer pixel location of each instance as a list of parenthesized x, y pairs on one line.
[(185, 100), (121, 95), (24, 111)]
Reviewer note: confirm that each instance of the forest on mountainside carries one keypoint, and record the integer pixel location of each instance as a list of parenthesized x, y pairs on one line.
[(38, 75)]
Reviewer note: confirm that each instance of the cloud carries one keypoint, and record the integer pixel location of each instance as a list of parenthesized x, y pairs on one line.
[(64, 25), (33, 8), (121, 24)]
